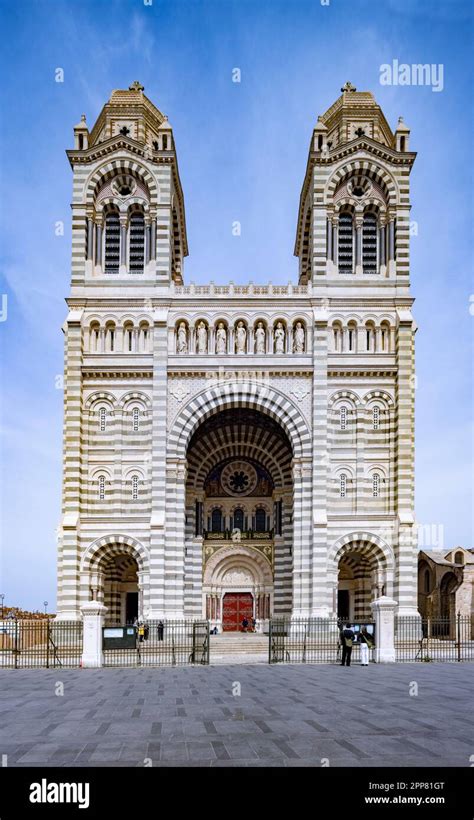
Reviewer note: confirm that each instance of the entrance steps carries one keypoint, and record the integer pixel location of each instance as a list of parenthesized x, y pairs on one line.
[(238, 647)]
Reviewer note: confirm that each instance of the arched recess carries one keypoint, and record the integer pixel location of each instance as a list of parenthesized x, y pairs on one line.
[(366, 168), (115, 168), (246, 394), (114, 570), (360, 568)]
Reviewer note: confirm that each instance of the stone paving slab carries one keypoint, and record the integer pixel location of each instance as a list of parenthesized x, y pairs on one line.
[(288, 715)]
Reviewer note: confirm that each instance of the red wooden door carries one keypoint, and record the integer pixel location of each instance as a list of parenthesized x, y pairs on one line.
[(236, 607)]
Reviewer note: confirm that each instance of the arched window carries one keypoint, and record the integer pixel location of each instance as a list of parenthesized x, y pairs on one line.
[(370, 337), (165, 142), (375, 485), (128, 338), (109, 337), (352, 337), (144, 333), (343, 485), (102, 419), (260, 520), (426, 581), (134, 487), (345, 244), (385, 337), (459, 557), (343, 418), (216, 520), (337, 337), (376, 418), (94, 338), (101, 487), (239, 519), (112, 242), (137, 242), (369, 243), (135, 419)]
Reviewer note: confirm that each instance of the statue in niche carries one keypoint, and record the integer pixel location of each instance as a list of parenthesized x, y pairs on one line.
[(182, 338), (260, 338), (202, 338), (221, 338), (279, 337), (240, 338), (298, 346)]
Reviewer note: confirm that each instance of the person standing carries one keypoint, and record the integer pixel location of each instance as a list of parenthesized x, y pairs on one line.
[(245, 625), (365, 645), (347, 639)]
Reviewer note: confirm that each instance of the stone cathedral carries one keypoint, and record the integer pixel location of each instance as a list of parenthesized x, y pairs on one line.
[(238, 450)]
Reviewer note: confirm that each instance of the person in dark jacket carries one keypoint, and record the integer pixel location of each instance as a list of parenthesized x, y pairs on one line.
[(347, 639), (245, 625)]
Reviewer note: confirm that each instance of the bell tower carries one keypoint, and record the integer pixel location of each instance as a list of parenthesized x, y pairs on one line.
[(353, 244)]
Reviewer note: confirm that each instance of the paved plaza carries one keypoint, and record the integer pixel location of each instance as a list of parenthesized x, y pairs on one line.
[(284, 716)]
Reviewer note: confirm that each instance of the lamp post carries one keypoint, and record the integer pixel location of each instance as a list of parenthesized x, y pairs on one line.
[(2, 596), (45, 604)]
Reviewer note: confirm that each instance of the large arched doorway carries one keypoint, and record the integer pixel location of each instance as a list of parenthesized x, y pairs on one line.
[(113, 574), (362, 575), (239, 506)]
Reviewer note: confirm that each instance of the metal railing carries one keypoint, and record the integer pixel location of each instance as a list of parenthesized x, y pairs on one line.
[(243, 535), (304, 640), (40, 643), (434, 639), (164, 643)]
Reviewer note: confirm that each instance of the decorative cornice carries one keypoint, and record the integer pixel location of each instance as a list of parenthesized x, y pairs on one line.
[(116, 373)]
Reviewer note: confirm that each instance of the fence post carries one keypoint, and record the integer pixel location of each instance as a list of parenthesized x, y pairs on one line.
[(459, 636), (93, 613), (384, 609)]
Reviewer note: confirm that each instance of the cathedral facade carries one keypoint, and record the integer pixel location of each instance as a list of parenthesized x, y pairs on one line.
[(238, 450)]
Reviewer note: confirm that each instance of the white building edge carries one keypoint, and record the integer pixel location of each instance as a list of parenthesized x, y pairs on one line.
[(235, 450)]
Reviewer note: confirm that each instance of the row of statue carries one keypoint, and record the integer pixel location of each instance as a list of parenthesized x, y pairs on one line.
[(279, 337)]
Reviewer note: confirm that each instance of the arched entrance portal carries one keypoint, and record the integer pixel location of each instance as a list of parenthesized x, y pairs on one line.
[(113, 572), (239, 506), (364, 573)]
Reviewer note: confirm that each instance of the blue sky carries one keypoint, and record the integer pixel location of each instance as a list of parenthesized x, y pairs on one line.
[(242, 152)]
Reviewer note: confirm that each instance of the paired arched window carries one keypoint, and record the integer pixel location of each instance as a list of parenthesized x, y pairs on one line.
[(135, 419), (112, 242), (375, 485), (134, 487), (137, 242), (369, 243), (376, 418), (345, 252), (343, 485)]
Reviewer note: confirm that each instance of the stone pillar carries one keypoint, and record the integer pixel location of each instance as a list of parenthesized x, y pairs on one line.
[(98, 245), (90, 234), (335, 229), (92, 654), (329, 240), (320, 604), (384, 614), (358, 268), (153, 240), (391, 240), (123, 244)]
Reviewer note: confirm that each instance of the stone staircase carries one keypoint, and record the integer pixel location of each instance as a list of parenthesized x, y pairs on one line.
[(238, 647)]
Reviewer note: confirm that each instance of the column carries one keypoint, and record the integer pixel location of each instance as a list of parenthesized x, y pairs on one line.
[(98, 245), (382, 258), (147, 242), (391, 240), (90, 238), (335, 231), (153, 239), (93, 620), (329, 240), (320, 605), (384, 610), (158, 466), (123, 244), (68, 542), (406, 550), (358, 223)]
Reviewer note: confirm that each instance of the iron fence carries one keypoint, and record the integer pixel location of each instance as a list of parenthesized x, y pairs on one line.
[(164, 643), (434, 639), (309, 640), (40, 643)]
